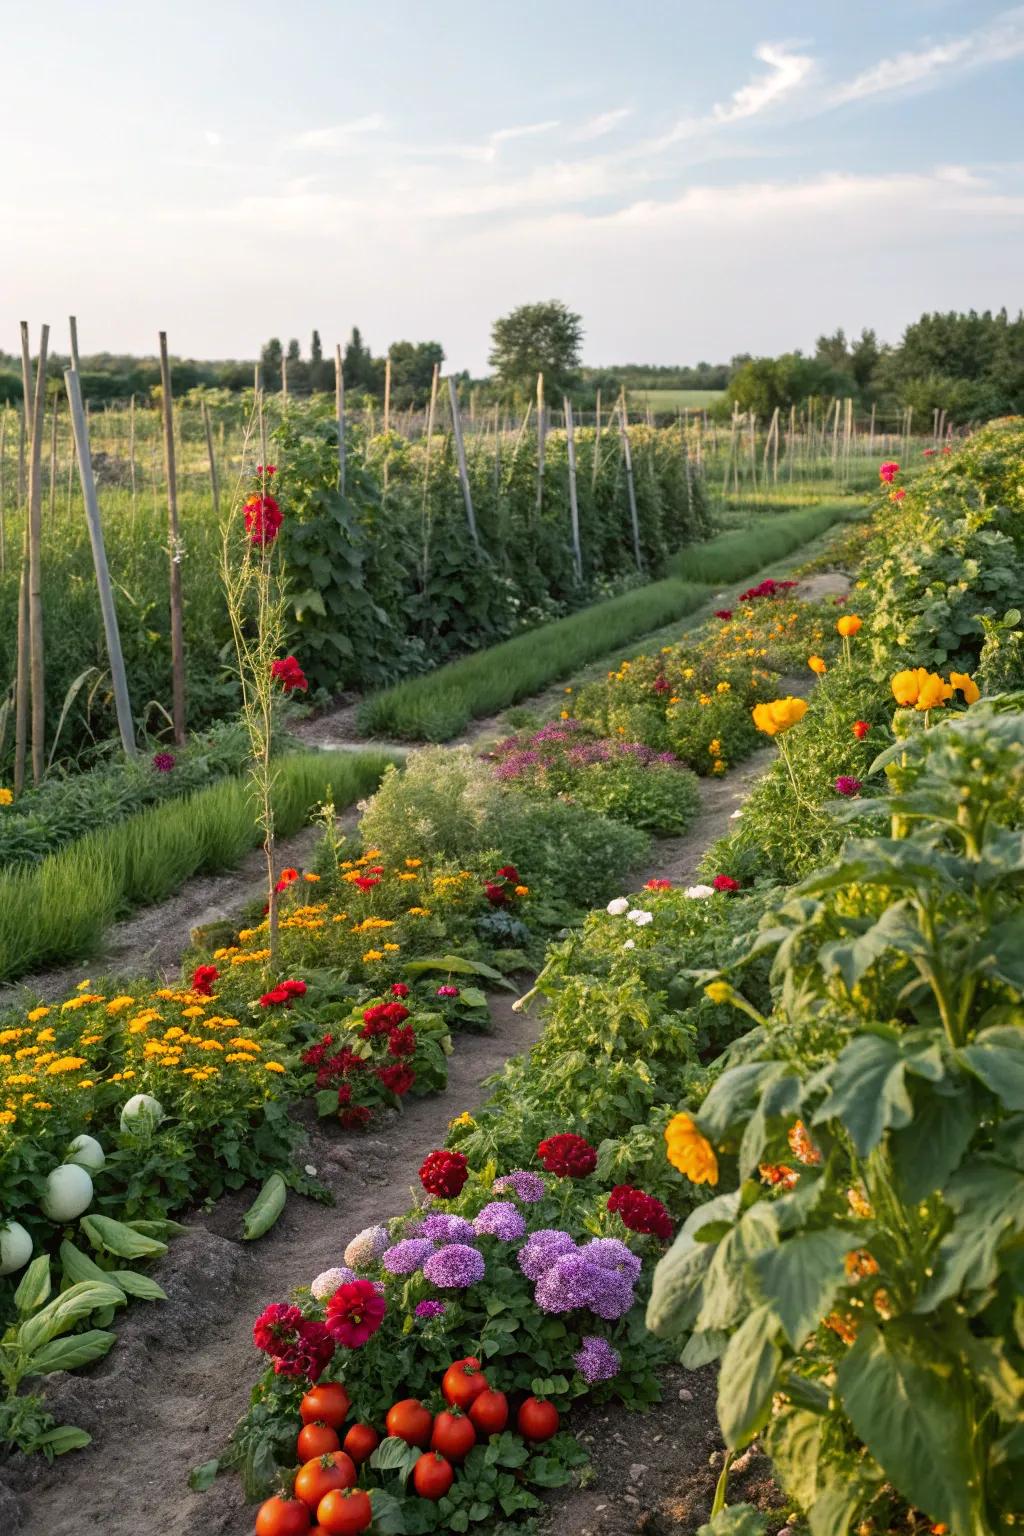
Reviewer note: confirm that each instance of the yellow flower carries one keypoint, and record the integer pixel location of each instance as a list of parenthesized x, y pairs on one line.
[(81, 1001), (714, 747), (273, 1066), (849, 624), (779, 715), (718, 766), (816, 664), (41, 1104), (563, 714), (19, 1079), (192, 1013), (413, 863), (65, 1064), (464, 1119), (690, 1152), (46, 1036), (34, 1015), (718, 991), (6, 798), (705, 699), (373, 954), (858, 1202), (522, 890), (6, 1115), (85, 1082), (311, 879), (965, 685), (392, 949), (116, 1004), (723, 687), (419, 911)]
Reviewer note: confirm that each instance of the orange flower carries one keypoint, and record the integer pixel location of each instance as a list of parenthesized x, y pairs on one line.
[(816, 664), (965, 685), (848, 625), (690, 1152), (801, 1145)]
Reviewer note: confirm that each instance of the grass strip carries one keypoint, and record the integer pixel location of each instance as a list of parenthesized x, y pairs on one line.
[(438, 705), (59, 909)]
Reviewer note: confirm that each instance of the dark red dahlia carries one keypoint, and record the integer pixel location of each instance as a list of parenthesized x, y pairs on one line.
[(203, 978), (640, 1212), (402, 1042), (568, 1155), (725, 883), (444, 1173), (399, 1078)]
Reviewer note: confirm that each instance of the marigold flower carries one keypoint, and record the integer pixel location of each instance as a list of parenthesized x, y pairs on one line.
[(718, 991), (966, 685), (817, 665), (779, 715), (6, 796), (859, 1263), (844, 1327), (689, 1151), (778, 1175)]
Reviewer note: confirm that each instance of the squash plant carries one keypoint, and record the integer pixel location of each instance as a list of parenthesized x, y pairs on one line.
[(862, 1282)]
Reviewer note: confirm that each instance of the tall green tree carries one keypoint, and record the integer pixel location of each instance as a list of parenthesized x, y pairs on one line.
[(537, 338)]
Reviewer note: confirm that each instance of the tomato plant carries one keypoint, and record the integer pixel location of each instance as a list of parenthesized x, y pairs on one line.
[(361, 1442), (282, 1516), (489, 1412), (316, 1439), (410, 1421), (327, 1402), (463, 1382), (432, 1476), (344, 1512), (316, 1478)]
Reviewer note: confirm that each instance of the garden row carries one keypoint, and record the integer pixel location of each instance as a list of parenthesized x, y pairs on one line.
[(853, 1182)]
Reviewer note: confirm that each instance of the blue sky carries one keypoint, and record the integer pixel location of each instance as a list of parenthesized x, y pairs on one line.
[(695, 179)]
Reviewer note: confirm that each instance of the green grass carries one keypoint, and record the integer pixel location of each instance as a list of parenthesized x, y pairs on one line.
[(58, 910), (440, 704), (674, 399)]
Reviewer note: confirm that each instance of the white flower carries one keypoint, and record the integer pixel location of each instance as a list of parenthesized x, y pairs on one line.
[(736, 815), (630, 944), (698, 892), (327, 1283), (639, 917), (618, 906), (310, 1170), (366, 1247)]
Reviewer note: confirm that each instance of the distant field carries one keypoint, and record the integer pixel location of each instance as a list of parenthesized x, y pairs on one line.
[(674, 399)]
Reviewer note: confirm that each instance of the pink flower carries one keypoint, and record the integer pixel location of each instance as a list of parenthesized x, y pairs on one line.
[(263, 519), (448, 991), (848, 786), (888, 471), (163, 762), (355, 1312)]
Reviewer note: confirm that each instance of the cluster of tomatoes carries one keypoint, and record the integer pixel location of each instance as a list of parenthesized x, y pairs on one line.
[(325, 1484)]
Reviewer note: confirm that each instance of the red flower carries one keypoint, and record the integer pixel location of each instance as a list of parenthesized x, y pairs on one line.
[(723, 613), (658, 885), (444, 1173), (289, 674), (860, 729), (366, 882), (164, 762), (271, 469), (570, 1156), (355, 1119), (399, 1078), (496, 894), (897, 495), (888, 471), (399, 989), (263, 519), (284, 992), (402, 1042), (510, 873), (640, 1212), (766, 588), (298, 1346), (661, 685), (725, 883), (354, 1313), (203, 978), (928, 452)]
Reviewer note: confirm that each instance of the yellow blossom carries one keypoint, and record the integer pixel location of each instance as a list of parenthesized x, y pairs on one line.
[(65, 1064), (371, 955), (965, 685), (46, 1036), (41, 1104), (690, 1152), (273, 1066), (718, 991), (81, 1001), (723, 687), (816, 664), (34, 1015), (848, 625), (522, 890), (6, 1115), (6, 798), (116, 1004), (779, 715)]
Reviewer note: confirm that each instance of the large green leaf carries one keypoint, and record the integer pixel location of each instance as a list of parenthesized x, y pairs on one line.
[(35, 1286), (729, 1291), (140, 1286), (455, 963), (66, 1437), (929, 1149), (748, 1376), (70, 1353), (119, 1239), (912, 1416), (65, 1310), (78, 1266), (732, 1094), (868, 1091), (800, 1278), (265, 1209), (675, 1293), (736, 1520), (988, 1199), (793, 1441), (997, 1057)]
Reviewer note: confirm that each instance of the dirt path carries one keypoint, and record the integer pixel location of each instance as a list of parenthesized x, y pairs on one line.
[(168, 1395)]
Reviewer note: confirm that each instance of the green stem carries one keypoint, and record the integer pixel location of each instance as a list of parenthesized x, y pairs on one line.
[(718, 1503)]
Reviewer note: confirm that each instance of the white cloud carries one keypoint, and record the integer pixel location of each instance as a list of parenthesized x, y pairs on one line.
[(526, 131), (212, 137), (1003, 39), (598, 126), (788, 71), (340, 135)]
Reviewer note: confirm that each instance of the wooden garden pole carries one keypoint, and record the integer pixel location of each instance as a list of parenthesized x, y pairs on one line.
[(53, 457), (122, 703), (284, 378), (22, 449), (3, 489), (574, 510), (460, 451), (131, 449), (627, 459), (541, 442), (35, 538), (214, 484), (596, 462), (73, 328), (339, 413), (387, 394), (177, 626), (871, 433)]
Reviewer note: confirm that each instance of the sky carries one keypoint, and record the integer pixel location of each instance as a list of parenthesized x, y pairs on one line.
[(695, 179)]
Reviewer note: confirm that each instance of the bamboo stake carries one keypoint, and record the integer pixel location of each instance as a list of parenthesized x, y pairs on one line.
[(3, 460), (574, 511), (387, 394), (214, 484), (871, 433), (541, 442), (284, 378), (35, 539), (339, 413), (122, 703), (23, 449), (75, 360), (425, 509), (174, 540), (53, 458), (596, 463), (627, 458), (131, 451), (460, 451)]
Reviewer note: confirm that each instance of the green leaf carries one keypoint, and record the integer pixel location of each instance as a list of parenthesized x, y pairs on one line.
[(120, 1239), (736, 1520), (703, 1347), (835, 1507), (70, 1353), (912, 1416), (456, 963), (394, 1455), (748, 1377), (309, 601), (35, 1286), (988, 1199), (64, 1311), (999, 953), (66, 1437), (729, 1291), (929, 1149), (868, 1091), (265, 1209), (793, 1441), (800, 1278), (997, 1058), (327, 1102), (387, 1513), (138, 1285), (204, 1476)]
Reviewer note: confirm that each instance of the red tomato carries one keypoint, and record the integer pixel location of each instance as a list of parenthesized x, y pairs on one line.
[(537, 1419), (432, 1476), (328, 1402), (454, 1435), (410, 1421), (463, 1382), (489, 1412), (344, 1512), (361, 1442), (317, 1478), (281, 1516), (316, 1439)]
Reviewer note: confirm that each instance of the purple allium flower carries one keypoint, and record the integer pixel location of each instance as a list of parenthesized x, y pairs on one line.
[(845, 785), (541, 1250), (430, 1309), (570, 1282), (527, 1187), (502, 1220), (406, 1257), (448, 991), (596, 1360), (366, 1247), (455, 1268), (328, 1281), (613, 1294), (163, 762), (444, 1228), (611, 1253)]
